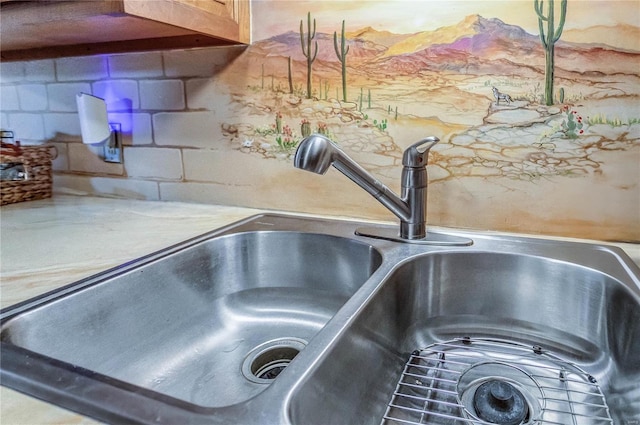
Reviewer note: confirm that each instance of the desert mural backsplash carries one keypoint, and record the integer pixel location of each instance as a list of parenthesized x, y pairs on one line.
[(538, 113)]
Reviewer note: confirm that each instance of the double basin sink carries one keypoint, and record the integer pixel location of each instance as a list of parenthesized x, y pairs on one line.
[(288, 320)]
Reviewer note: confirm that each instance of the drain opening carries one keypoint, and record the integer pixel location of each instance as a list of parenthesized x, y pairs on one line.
[(265, 362), (271, 362), (501, 391), (499, 402)]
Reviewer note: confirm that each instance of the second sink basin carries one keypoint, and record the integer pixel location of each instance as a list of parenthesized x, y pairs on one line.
[(566, 335), (210, 323)]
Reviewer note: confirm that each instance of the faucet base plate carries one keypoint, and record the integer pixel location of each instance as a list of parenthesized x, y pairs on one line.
[(432, 238)]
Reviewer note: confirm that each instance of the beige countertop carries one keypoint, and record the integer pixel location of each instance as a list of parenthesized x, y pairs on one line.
[(49, 243)]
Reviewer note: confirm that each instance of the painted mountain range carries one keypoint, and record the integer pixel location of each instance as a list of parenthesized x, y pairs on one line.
[(535, 161), (476, 45)]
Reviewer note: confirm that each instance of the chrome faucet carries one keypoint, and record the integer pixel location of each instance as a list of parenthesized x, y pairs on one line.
[(316, 153)]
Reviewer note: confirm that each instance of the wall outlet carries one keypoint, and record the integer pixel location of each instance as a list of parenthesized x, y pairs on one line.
[(113, 148), (112, 154)]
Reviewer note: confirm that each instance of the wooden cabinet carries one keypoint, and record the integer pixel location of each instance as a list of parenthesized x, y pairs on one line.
[(54, 28)]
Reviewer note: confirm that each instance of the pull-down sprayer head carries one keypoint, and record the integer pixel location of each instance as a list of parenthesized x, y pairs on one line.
[(315, 153)]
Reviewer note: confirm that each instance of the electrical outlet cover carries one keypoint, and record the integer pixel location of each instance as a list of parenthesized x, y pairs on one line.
[(112, 154)]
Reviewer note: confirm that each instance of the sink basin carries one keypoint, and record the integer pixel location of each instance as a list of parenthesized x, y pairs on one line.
[(288, 320), (211, 322), (428, 326)]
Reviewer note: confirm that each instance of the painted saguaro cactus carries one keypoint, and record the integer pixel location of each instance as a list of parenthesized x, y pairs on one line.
[(289, 75), (549, 39), (341, 53), (307, 51)]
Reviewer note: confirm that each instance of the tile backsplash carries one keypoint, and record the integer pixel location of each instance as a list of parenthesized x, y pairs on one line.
[(220, 125), (157, 97)]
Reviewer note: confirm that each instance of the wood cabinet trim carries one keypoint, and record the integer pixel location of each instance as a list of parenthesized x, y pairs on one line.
[(37, 30)]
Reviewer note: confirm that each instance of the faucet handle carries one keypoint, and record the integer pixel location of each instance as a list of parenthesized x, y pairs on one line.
[(417, 154)]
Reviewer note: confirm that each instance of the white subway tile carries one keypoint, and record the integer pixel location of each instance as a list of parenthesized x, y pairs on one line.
[(82, 68), (198, 164), (126, 188), (40, 71), (155, 163), (27, 127), (88, 159), (11, 72), (9, 100), (206, 165), (201, 93), (207, 193), (33, 97), (120, 95), (62, 127), (71, 184), (191, 129), (62, 96), (215, 193), (162, 95), (136, 65), (136, 127), (106, 186), (61, 160)]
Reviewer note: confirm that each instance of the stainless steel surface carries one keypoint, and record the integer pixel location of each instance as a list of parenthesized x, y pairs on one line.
[(316, 153), (432, 238), (439, 383), (535, 293), (181, 323), (198, 332)]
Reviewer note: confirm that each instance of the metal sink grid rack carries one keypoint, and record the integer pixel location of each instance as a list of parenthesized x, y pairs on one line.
[(437, 383)]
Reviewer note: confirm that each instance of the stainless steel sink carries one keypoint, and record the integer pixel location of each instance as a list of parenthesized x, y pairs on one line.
[(288, 320), (566, 334), (211, 322)]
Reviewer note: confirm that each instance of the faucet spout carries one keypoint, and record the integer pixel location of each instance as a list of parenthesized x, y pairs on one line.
[(316, 153)]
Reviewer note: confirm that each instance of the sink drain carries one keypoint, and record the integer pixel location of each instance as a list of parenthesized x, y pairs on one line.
[(265, 362), (500, 392), (493, 381)]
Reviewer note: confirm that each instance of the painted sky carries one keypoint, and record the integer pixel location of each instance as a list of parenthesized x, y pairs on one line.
[(272, 17)]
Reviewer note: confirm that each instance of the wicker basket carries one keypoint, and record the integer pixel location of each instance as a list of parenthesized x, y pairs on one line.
[(37, 164)]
